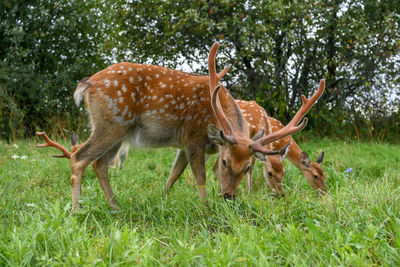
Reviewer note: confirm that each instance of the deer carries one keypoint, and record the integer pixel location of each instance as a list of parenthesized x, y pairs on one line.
[(258, 121), (154, 106), (273, 168)]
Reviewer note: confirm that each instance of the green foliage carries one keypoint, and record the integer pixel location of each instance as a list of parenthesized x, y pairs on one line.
[(45, 48), (356, 224)]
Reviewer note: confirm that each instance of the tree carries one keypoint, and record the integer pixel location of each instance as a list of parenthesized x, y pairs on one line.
[(45, 48)]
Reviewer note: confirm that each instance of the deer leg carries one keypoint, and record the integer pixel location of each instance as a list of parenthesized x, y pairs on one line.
[(101, 140), (197, 163), (249, 174), (178, 167), (101, 167)]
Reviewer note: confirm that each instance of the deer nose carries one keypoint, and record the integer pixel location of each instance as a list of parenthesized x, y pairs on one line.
[(229, 197)]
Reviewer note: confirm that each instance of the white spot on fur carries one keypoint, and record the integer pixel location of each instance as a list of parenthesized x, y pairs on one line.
[(157, 75), (131, 79), (115, 82), (154, 97), (173, 101), (124, 88), (140, 78), (107, 82)]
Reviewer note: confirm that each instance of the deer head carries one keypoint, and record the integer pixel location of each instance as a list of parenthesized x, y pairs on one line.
[(232, 136), (313, 172)]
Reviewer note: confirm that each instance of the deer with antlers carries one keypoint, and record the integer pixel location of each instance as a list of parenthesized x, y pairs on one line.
[(153, 106), (258, 122), (273, 167)]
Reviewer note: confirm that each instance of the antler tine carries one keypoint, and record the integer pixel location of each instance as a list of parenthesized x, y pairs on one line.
[(66, 153), (291, 127), (214, 89)]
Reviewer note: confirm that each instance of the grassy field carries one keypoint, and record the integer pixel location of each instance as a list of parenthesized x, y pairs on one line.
[(357, 224)]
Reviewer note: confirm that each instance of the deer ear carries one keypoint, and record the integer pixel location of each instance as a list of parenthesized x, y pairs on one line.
[(215, 135), (74, 138), (260, 156), (320, 157), (305, 160), (258, 135), (285, 150)]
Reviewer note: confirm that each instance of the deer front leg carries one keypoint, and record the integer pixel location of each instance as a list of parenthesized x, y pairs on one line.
[(249, 175), (177, 169), (196, 158), (101, 167)]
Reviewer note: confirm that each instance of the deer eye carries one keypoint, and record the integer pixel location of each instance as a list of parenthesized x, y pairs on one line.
[(315, 176), (224, 163), (248, 168), (269, 173)]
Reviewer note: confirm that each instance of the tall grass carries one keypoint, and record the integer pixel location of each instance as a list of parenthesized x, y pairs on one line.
[(358, 223)]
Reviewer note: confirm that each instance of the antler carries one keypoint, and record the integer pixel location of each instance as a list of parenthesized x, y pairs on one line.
[(291, 127), (66, 153), (214, 89)]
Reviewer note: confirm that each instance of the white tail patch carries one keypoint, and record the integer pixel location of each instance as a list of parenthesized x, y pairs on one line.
[(80, 89)]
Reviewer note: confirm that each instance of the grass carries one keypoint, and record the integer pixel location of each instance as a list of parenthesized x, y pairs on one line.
[(357, 224)]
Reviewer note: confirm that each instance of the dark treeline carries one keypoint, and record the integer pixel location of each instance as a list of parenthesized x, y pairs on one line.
[(277, 50)]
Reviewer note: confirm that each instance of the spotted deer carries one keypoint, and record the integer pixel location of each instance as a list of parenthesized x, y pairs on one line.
[(153, 106), (257, 122), (273, 167)]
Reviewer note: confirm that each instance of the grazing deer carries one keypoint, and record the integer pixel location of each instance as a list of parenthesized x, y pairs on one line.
[(258, 122), (153, 106), (273, 167)]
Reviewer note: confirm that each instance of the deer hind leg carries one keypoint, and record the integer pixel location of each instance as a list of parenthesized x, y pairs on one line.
[(177, 169), (196, 156), (249, 183), (101, 167), (101, 140)]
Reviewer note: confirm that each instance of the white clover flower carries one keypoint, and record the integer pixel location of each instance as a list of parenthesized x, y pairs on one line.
[(24, 157), (15, 157), (15, 145)]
